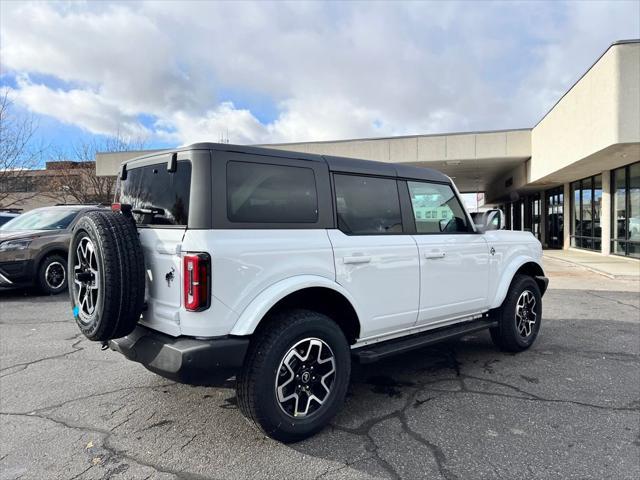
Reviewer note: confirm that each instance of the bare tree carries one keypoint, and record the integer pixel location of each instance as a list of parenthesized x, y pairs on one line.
[(18, 153), (75, 179)]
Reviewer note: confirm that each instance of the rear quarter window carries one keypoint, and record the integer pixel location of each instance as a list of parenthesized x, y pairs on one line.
[(157, 197), (265, 193)]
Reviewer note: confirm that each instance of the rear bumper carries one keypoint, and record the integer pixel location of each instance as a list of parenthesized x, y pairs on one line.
[(184, 359)]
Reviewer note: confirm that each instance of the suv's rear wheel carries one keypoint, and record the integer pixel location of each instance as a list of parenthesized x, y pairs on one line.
[(519, 316), (295, 375), (52, 274), (106, 270)]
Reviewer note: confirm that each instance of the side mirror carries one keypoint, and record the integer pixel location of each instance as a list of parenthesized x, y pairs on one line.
[(494, 220)]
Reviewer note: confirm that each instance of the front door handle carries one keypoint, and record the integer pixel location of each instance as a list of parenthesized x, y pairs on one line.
[(356, 259), (434, 255)]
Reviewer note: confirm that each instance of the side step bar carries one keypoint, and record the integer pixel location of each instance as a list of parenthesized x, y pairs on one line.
[(375, 352)]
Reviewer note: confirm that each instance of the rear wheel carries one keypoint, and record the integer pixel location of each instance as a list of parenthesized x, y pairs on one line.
[(519, 317), (52, 275), (295, 375), (106, 267)]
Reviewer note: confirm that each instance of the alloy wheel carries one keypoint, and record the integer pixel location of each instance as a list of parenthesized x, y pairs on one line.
[(86, 278), (305, 377), (526, 315), (55, 275)]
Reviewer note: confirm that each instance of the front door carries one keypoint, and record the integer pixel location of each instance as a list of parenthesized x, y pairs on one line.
[(375, 261), (454, 260)]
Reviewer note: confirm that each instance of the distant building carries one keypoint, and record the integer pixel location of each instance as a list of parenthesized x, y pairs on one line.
[(573, 179), (59, 182)]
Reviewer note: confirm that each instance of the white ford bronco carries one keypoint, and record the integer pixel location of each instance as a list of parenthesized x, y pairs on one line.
[(282, 268)]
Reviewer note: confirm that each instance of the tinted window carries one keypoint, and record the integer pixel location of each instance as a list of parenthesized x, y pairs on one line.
[(157, 196), (436, 209), (367, 205), (261, 193)]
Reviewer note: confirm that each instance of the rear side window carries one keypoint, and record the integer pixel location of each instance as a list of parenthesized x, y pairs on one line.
[(436, 208), (263, 193), (156, 196), (367, 205)]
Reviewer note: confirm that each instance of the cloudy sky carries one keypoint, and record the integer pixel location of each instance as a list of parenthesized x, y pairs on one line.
[(179, 72)]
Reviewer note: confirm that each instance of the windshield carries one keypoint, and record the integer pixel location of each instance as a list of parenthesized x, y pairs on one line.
[(42, 219)]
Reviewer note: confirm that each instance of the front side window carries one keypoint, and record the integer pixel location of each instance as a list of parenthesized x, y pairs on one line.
[(157, 197), (263, 193), (367, 205), (436, 208)]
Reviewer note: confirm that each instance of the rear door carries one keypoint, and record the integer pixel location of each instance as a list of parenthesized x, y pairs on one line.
[(375, 260), (454, 259), (161, 206)]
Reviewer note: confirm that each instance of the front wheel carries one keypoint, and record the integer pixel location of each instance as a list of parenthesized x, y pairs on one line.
[(295, 375), (519, 317)]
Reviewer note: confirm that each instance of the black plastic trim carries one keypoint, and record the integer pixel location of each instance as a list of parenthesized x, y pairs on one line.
[(184, 359), (543, 283), (378, 351)]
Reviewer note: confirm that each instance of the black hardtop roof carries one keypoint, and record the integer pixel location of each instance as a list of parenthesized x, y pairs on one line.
[(335, 164)]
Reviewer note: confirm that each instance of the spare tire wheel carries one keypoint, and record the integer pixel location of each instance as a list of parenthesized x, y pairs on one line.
[(106, 275)]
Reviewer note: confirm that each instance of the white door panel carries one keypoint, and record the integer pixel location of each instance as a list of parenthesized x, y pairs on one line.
[(163, 262), (454, 275), (382, 274)]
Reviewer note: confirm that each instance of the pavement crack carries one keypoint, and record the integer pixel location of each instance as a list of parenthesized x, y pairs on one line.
[(535, 398), (25, 365), (114, 452), (50, 408), (188, 442), (604, 297)]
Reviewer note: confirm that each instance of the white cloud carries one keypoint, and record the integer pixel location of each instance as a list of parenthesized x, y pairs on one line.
[(78, 106), (327, 70)]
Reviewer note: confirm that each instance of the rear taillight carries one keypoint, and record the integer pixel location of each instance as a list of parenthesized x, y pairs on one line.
[(116, 207), (197, 279)]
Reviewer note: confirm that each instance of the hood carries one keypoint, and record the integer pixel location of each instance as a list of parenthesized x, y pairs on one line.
[(26, 234)]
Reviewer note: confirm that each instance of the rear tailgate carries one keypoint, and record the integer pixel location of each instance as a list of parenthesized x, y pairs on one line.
[(157, 190), (164, 278)]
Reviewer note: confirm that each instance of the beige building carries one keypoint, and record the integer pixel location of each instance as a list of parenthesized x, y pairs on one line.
[(573, 179), (60, 182)]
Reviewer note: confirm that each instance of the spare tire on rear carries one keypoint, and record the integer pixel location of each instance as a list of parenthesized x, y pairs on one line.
[(106, 275)]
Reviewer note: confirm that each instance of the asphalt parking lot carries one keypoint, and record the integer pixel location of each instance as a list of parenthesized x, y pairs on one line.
[(567, 408)]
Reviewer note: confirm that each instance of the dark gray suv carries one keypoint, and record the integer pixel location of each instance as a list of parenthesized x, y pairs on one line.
[(34, 247)]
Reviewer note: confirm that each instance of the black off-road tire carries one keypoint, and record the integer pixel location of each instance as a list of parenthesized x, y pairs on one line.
[(119, 262), (506, 335), (49, 283), (256, 384)]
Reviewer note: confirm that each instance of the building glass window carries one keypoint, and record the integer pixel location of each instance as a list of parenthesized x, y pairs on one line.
[(625, 211), (586, 199), (555, 218), (535, 217)]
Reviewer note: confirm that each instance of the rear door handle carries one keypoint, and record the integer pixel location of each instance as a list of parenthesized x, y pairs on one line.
[(356, 259), (434, 255)]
